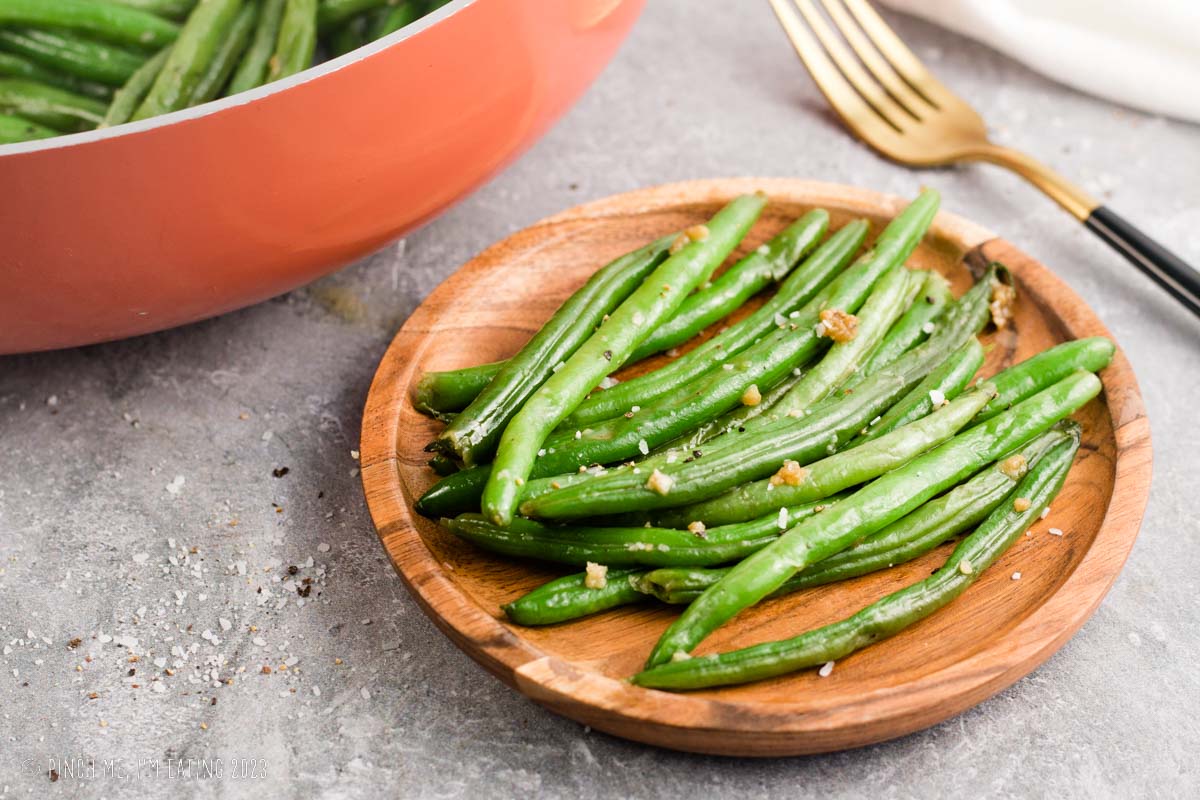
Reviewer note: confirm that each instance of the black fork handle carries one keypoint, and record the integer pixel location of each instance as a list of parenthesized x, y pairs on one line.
[(1161, 265)]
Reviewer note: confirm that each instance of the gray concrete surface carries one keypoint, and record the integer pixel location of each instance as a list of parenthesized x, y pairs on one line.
[(125, 467)]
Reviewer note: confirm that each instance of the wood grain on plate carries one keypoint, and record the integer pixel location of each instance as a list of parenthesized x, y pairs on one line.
[(994, 634)]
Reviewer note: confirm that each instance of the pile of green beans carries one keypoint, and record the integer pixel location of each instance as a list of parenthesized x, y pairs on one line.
[(73, 65), (837, 429), (887, 616)]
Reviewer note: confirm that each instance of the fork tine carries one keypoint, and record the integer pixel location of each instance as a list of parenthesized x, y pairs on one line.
[(851, 70), (909, 100), (900, 57), (854, 111)]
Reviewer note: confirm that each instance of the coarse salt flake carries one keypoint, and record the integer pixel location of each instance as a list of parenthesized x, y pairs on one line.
[(1055, 531)]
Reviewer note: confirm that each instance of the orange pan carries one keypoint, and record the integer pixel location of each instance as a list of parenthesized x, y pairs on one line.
[(112, 233)]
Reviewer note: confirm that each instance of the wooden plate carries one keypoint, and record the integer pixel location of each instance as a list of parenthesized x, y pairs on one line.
[(994, 634)]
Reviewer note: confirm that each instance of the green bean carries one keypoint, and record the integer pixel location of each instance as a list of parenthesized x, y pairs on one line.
[(1047, 367), (917, 324), (252, 69), (107, 21), (91, 61), (946, 382), (893, 245), (737, 418), (909, 537), (772, 409), (838, 418), (768, 264), (236, 40), (726, 461), (890, 298), (884, 617), (570, 597), (725, 464), (297, 40), (131, 95), (1012, 385), (351, 36), (453, 390), (18, 129), (616, 441), (801, 288), (396, 17), (878, 504), (15, 66), (442, 465), (454, 494), (699, 310), (473, 436), (738, 381), (628, 546), (197, 47), (333, 13), (49, 106), (650, 304), (171, 9), (835, 472)]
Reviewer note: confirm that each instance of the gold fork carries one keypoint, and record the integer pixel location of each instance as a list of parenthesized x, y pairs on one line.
[(887, 97)]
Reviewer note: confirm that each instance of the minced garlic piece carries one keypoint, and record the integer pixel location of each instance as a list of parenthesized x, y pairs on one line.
[(697, 528), (1004, 297), (596, 577), (681, 241), (752, 396), (660, 482), (790, 473), (1021, 504), (680, 655), (965, 567), (839, 326), (1014, 467), (697, 233)]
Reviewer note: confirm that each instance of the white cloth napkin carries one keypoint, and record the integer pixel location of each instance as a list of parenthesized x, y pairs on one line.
[(1145, 54)]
